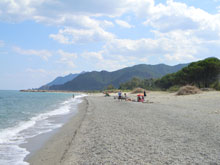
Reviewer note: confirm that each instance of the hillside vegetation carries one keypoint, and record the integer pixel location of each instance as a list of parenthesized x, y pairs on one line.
[(101, 80), (203, 74)]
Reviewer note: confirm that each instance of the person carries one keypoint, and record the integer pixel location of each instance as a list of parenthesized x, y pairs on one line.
[(119, 95), (138, 99), (145, 94), (125, 95)]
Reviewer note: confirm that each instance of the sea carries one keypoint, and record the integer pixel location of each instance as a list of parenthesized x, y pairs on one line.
[(26, 115)]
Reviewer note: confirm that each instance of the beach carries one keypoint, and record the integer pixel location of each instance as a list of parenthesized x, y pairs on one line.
[(167, 129)]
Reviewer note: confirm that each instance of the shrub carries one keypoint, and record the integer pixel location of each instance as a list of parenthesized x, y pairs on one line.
[(138, 90), (187, 90), (216, 85), (174, 88)]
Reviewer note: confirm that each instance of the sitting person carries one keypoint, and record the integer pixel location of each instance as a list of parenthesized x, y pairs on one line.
[(119, 95), (140, 99), (125, 95)]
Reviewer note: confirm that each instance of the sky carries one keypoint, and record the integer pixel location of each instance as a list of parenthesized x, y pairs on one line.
[(43, 39)]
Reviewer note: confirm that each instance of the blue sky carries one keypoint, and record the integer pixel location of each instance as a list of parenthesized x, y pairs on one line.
[(43, 39)]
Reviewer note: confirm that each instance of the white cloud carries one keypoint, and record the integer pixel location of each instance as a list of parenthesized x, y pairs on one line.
[(72, 36), (180, 32), (39, 10), (184, 33), (44, 54), (123, 23), (109, 64), (67, 58), (169, 47), (106, 24), (60, 37), (77, 14), (78, 21), (178, 16), (128, 47), (93, 55), (179, 58)]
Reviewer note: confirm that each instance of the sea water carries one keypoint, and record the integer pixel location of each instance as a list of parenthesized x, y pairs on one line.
[(24, 115)]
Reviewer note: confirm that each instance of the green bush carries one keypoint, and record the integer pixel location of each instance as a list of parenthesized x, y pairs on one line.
[(110, 87), (174, 88), (216, 85)]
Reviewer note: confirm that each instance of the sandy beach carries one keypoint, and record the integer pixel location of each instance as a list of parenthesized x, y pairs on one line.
[(168, 129)]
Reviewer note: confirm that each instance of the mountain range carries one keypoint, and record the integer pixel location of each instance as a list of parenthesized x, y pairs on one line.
[(60, 80), (99, 80)]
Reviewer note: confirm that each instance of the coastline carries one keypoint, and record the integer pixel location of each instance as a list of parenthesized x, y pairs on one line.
[(168, 129), (50, 91), (53, 150)]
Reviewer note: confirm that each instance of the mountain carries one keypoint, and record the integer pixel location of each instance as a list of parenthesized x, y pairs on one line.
[(60, 80), (99, 80)]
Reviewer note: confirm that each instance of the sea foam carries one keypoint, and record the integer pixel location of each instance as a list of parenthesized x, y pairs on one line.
[(11, 138)]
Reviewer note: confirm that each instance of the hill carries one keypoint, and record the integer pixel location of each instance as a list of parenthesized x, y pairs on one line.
[(60, 80), (99, 80), (203, 74)]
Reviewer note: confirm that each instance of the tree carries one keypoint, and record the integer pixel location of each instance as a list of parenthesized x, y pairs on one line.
[(110, 87), (202, 74)]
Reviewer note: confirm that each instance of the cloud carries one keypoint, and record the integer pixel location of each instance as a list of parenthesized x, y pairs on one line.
[(179, 32), (109, 64), (77, 14), (123, 23), (184, 33), (169, 47), (134, 48), (10, 9), (39, 10), (178, 16), (67, 58), (170, 23), (106, 23), (78, 21), (93, 55), (72, 36), (44, 54)]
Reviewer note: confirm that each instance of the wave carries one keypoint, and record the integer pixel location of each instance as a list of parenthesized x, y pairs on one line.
[(11, 138)]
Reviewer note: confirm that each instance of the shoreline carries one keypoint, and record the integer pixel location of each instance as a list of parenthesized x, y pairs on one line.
[(49, 91), (168, 129), (56, 143)]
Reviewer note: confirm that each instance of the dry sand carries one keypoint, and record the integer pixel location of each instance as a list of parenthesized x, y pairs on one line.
[(168, 129)]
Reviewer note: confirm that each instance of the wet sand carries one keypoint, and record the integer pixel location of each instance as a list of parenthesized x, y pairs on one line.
[(53, 151), (168, 129)]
